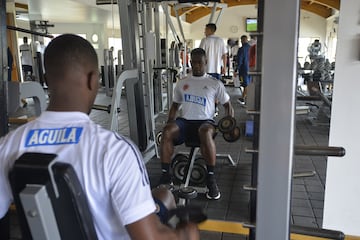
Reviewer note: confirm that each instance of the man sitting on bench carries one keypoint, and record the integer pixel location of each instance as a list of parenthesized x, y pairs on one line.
[(109, 167), (196, 95)]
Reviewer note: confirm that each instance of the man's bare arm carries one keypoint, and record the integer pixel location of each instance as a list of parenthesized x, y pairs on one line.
[(150, 228), (229, 110), (173, 111)]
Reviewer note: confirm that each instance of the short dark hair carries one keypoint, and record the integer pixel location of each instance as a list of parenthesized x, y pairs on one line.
[(198, 52), (66, 51), (211, 26)]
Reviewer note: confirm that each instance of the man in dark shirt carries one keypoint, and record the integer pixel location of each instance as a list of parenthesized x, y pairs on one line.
[(243, 66)]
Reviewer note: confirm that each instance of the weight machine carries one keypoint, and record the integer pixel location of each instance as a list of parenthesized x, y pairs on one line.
[(141, 75)]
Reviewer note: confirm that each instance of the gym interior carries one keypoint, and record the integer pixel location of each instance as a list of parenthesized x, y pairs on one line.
[(291, 173)]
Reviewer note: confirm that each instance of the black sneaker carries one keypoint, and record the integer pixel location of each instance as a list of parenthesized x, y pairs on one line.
[(165, 179), (241, 101), (213, 189)]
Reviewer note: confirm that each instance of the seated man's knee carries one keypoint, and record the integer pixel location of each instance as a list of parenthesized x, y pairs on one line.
[(206, 130), (170, 131)]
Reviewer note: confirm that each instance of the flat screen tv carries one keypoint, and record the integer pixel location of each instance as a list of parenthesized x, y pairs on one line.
[(251, 24)]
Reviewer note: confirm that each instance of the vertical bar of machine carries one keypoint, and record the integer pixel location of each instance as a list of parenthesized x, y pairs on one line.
[(257, 85), (277, 119), (3, 71)]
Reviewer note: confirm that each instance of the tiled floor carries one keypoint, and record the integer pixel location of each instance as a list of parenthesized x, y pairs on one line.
[(307, 193)]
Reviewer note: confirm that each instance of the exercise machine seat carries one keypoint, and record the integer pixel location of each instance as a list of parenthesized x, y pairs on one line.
[(49, 199)]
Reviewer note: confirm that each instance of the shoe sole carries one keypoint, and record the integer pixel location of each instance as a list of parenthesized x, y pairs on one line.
[(213, 198)]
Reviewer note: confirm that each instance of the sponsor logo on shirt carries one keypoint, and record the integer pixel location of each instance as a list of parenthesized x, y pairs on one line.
[(53, 136), (195, 99)]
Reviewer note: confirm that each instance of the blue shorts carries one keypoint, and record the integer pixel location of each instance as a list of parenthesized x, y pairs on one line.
[(189, 130)]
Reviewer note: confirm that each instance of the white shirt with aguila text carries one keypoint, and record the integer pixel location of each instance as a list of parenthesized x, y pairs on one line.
[(197, 96), (109, 167)]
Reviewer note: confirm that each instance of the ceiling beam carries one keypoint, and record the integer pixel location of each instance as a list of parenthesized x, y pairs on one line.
[(184, 10), (197, 14), (318, 9), (22, 6), (322, 8), (335, 4), (232, 3)]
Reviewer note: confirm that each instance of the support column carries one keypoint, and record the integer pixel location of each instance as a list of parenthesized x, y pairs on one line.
[(277, 119), (5, 221), (342, 192), (129, 25), (3, 70)]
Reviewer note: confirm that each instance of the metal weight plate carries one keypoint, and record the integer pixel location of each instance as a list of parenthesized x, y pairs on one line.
[(187, 193), (226, 124), (179, 164), (199, 172), (232, 136), (158, 138)]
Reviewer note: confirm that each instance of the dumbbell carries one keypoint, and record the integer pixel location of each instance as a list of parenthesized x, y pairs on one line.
[(187, 193), (227, 125), (183, 214), (232, 136)]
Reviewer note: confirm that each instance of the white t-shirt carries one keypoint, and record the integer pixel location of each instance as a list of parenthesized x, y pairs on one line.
[(215, 48), (26, 58), (197, 96), (234, 50), (109, 167)]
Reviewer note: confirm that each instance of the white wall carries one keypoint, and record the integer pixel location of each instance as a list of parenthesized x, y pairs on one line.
[(77, 28), (311, 25), (342, 193), (84, 28)]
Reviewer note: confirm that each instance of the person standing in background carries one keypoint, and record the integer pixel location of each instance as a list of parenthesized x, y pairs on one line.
[(243, 66), (26, 58), (234, 51), (215, 50), (216, 53), (10, 59)]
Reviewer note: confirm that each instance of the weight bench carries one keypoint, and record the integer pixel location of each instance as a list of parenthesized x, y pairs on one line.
[(49, 199)]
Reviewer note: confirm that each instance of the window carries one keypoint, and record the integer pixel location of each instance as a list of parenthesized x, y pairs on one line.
[(117, 44)]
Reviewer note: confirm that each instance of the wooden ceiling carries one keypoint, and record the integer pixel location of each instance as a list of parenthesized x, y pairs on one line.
[(323, 8)]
